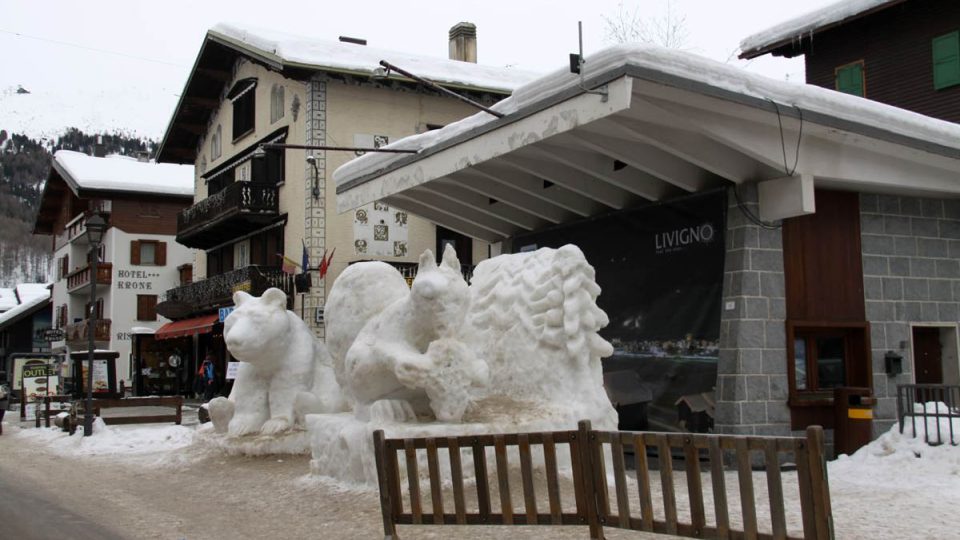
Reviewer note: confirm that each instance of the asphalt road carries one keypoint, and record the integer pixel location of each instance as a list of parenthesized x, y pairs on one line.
[(29, 513)]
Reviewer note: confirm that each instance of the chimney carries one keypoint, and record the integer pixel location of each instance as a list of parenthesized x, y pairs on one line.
[(99, 150), (463, 42)]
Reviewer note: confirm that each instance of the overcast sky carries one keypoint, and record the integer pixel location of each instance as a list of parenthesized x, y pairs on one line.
[(125, 62)]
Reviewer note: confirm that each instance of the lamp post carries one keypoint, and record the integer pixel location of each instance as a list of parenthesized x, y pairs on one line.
[(96, 226)]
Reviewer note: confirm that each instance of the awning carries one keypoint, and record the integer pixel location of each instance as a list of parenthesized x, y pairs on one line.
[(187, 327)]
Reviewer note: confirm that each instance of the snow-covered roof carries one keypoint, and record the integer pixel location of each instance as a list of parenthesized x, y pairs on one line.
[(809, 23), (655, 62), (28, 291), (8, 299), (299, 51), (25, 308), (123, 173)]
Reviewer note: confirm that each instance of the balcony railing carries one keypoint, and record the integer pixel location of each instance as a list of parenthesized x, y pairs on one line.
[(239, 208), (81, 277), (217, 291), (79, 332)]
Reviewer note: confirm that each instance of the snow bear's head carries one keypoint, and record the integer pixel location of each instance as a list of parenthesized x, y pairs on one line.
[(256, 330), (441, 291)]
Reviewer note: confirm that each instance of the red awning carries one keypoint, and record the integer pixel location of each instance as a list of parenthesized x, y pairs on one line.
[(187, 327)]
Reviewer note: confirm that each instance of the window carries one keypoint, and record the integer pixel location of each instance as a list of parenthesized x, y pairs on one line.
[(824, 356), (276, 103), (216, 144), (243, 97), (946, 60), (146, 307), (241, 254), (98, 309), (148, 252), (850, 79)]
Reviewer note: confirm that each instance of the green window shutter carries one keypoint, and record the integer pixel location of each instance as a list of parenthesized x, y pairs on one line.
[(850, 79), (946, 60)]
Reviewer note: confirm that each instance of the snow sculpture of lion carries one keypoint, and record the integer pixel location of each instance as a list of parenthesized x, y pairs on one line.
[(284, 371), (397, 350)]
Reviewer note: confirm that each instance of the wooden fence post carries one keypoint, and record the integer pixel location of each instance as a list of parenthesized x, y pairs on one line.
[(820, 483), (589, 473), (386, 505)]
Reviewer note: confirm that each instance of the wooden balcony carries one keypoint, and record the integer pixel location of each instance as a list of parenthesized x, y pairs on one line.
[(238, 209), (217, 291), (79, 279), (78, 333)]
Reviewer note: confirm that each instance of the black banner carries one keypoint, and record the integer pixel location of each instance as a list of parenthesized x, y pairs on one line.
[(660, 268)]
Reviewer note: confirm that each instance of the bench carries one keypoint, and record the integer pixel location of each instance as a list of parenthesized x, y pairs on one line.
[(167, 401)]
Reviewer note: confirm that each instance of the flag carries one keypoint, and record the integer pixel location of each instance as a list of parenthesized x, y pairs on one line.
[(325, 263), (306, 258), (288, 265)]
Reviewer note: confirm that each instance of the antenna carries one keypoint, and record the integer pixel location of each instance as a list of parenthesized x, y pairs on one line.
[(576, 66)]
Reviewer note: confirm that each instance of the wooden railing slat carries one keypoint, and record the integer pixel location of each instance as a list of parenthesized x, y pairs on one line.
[(694, 488), (718, 480), (666, 482), (456, 480), (620, 481), (386, 507), (483, 485), (576, 463), (819, 483), (806, 490), (526, 473), (413, 480), (747, 502), (503, 479), (436, 495), (775, 490), (643, 481), (553, 483)]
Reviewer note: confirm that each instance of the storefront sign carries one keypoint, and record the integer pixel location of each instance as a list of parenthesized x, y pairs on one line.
[(232, 368), (136, 279), (101, 381), (20, 363), (51, 334), (39, 380), (225, 311)]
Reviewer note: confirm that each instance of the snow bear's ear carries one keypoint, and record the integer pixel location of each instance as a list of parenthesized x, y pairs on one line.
[(275, 297), (240, 297), (427, 261), (450, 259)]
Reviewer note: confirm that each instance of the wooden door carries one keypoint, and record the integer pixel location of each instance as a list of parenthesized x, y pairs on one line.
[(927, 355)]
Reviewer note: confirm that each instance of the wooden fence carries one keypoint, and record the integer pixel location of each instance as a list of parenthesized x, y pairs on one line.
[(595, 506)]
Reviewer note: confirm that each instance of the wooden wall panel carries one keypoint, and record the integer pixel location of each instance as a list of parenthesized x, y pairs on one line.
[(895, 45), (822, 266), (146, 216)]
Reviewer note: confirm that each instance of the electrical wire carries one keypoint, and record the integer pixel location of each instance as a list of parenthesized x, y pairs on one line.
[(751, 216), (783, 143), (93, 49)]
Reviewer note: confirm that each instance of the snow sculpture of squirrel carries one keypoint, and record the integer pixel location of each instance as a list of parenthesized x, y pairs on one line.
[(396, 349), (284, 371)]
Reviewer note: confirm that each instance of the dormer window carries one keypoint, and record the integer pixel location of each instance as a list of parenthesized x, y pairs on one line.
[(243, 97)]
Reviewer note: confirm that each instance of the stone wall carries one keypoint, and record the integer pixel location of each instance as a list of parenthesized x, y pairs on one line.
[(752, 386), (911, 274)]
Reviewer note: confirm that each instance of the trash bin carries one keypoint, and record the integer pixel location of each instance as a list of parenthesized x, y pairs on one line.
[(853, 418)]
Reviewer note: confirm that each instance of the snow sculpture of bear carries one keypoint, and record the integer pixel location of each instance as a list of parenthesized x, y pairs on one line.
[(284, 371), (407, 344)]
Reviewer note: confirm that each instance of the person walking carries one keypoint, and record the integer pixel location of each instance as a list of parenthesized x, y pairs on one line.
[(207, 375)]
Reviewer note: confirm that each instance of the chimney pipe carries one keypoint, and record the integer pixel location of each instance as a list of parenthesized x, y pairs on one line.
[(99, 150), (463, 42)]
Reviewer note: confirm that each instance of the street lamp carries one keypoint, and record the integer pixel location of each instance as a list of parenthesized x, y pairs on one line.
[(96, 226)]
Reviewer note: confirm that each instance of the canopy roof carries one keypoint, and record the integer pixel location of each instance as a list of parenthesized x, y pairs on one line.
[(670, 123)]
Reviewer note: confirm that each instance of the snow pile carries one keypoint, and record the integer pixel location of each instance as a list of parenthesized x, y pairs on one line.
[(311, 52), (119, 173), (809, 23), (895, 460), (7, 299), (110, 441), (690, 67)]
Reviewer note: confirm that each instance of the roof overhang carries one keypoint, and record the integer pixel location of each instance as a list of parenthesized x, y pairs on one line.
[(655, 136)]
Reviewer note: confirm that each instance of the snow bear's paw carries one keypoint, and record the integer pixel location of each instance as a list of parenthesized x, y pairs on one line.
[(244, 425), (276, 425), (392, 410)]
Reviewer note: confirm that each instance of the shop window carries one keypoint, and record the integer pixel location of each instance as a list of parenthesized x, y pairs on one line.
[(148, 252), (946, 60), (825, 357), (146, 307), (850, 79)]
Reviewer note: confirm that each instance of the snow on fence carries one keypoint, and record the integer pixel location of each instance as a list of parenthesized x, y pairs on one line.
[(603, 494), (933, 408)]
